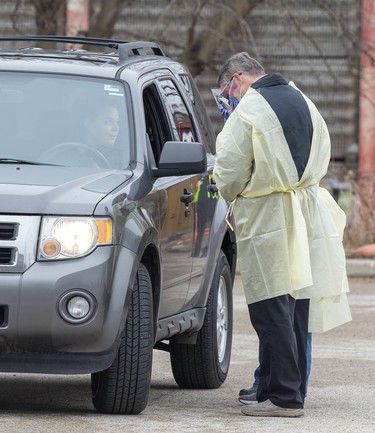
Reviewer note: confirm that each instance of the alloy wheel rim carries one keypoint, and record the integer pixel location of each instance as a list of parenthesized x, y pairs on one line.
[(222, 319)]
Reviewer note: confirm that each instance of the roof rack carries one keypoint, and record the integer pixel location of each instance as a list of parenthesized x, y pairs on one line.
[(124, 47)]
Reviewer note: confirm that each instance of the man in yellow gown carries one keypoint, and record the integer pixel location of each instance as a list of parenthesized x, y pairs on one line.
[(271, 154)]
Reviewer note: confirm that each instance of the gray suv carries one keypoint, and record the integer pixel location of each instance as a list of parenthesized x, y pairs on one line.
[(113, 239)]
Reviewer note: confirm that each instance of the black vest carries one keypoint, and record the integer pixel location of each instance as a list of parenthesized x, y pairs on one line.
[(293, 113)]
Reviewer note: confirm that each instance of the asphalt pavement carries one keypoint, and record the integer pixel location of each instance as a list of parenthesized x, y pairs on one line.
[(340, 398)]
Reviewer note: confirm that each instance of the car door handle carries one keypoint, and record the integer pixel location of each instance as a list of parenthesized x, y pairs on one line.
[(187, 197)]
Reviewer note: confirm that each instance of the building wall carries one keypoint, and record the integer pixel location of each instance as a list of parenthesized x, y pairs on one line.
[(314, 47), (311, 46)]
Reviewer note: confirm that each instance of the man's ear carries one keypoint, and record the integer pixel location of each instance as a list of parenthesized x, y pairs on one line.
[(236, 82)]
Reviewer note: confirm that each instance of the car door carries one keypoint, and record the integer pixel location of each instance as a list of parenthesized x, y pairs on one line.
[(206, 195), (177, 192), (188, 125)]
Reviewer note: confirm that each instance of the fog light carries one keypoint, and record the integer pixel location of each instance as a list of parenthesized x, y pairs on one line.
[(78, 307)]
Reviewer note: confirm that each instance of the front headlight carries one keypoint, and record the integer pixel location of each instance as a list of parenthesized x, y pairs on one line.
[(71, 237)]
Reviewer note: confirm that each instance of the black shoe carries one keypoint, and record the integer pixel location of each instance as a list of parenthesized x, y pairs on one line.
[(248, 398), (248, 391)]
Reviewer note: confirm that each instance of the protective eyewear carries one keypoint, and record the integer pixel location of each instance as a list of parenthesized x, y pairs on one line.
[(222, 93)]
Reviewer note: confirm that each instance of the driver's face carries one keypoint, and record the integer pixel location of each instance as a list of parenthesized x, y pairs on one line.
[(104, 127)]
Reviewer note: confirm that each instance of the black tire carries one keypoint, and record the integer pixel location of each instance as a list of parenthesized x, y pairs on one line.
[(124, 387), (205, 365)]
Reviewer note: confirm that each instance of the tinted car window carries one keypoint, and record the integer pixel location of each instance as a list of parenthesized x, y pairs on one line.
[(207, 132), (157, 126), (181, 122)]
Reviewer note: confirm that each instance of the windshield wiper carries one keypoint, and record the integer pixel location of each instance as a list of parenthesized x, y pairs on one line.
[(22, 161)]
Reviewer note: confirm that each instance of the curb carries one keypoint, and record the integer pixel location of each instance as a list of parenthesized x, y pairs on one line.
[(355, 268), (360, 268)]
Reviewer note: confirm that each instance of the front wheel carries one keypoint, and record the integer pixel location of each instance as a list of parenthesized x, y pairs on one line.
[(205, 364), (124, 387)]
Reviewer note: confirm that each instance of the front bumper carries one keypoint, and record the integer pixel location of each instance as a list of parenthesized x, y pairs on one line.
[(34, 337)]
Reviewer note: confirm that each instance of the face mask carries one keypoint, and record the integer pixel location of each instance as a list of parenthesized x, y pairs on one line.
[(233, 102)]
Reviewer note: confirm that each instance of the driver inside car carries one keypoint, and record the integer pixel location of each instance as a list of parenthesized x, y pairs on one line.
[(101, 129), (93, 136)]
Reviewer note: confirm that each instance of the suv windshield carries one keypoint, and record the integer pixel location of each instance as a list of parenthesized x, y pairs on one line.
[(63, 120)]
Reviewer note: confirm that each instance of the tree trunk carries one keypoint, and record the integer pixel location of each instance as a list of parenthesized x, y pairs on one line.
[(50, 16), (102, 21), (200, 48)]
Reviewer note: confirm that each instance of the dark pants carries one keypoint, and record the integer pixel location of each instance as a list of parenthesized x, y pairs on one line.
[(282, 324)]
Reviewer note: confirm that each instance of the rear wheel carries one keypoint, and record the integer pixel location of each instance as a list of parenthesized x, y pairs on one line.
[(205, 364), (124, 387)]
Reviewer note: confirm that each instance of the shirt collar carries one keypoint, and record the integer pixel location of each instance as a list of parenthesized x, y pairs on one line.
[(269, 80)]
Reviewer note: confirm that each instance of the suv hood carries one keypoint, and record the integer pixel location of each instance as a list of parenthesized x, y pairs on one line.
[(55, 190)]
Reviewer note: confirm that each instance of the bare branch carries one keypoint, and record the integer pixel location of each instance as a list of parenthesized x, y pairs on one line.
[(103, 22), (353, 41), (194, 19), (14, 16), (341, 26), (246, 30), (50, 16), (298, 25), (200, 48)]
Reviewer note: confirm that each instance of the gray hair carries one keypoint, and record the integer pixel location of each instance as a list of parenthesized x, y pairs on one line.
[(240, 62)]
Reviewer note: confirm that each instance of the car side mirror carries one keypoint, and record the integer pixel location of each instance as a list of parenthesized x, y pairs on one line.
[(179, 158)]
